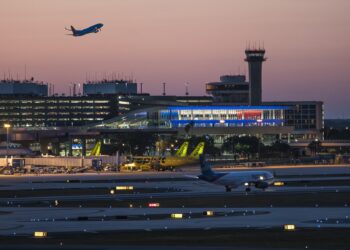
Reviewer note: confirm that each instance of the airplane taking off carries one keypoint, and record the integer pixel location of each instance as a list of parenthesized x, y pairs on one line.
[(259, 179), (92, 29)]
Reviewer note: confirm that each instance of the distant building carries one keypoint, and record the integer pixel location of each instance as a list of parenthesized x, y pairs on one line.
[(29, 87), (110, 108), (286, 121), (56, 111), (232, 89), (71, 111), (132, 102), (255, 58), (110, 87), (306, 117)]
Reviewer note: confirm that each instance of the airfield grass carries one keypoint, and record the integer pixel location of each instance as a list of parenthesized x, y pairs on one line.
[(262, 238)]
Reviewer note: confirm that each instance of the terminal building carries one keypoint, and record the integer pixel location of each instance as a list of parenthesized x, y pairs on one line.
[(234, 106), (269, 122), (231, 89), (234, 89)]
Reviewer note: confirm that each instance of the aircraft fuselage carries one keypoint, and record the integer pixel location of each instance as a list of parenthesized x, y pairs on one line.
[(92, 29)]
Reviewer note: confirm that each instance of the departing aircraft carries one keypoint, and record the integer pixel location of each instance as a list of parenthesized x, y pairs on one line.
[(92, 29), (259, 179)]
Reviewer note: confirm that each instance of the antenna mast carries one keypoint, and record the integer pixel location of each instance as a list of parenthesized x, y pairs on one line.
[(164, 88)]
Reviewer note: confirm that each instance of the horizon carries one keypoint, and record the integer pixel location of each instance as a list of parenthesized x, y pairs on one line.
[(305, 45)]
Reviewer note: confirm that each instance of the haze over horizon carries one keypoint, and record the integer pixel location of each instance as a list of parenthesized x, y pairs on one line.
[(181, 41)]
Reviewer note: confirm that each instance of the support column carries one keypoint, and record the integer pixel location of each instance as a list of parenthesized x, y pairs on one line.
[(43, 146), (83, 146), (70, 150)]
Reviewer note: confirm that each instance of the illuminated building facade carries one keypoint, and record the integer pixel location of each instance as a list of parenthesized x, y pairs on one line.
[(269, 122), (56, 111), (73, 111), (224, 116)]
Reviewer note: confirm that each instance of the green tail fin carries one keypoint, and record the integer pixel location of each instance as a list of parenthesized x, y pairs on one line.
[(182, 151), (198, 150), (96, 151)]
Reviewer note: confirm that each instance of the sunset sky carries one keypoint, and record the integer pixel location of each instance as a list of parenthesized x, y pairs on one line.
[(179, 41)]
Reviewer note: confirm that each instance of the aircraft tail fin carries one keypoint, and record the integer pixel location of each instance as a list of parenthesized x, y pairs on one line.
[(198, 150), (96, 151), (182, 151), (205, 166), (73, 29)]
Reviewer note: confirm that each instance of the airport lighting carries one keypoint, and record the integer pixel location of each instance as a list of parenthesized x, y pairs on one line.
[(154, 204), (40, 234), (176, 216), (209, 213), (278, 183), (124, 188), (289, 227)]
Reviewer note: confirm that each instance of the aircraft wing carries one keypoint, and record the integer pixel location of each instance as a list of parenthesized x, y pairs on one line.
[(192, 176)]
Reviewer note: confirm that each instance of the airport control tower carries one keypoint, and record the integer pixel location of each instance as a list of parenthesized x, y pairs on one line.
[(255, 57)]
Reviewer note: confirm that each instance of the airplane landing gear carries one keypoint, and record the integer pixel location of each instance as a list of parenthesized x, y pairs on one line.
[(228, 188), (248, 189)]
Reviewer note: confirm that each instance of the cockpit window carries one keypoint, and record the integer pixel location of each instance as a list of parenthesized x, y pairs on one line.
[(262, 176)]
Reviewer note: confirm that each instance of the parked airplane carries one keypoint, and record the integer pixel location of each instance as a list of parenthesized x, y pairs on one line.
[(92, 29), (181, 158), (259, 179)]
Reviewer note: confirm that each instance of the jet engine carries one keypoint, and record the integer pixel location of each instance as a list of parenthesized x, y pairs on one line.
[(262, 185)]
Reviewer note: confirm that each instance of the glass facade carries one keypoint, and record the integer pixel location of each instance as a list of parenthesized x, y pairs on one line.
[(224, 116), (56, 111), (200, 116)]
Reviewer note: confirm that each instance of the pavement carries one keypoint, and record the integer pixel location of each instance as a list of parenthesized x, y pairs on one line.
[(25, 220)]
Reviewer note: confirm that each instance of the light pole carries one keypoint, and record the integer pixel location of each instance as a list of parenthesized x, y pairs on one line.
[(7, 126)]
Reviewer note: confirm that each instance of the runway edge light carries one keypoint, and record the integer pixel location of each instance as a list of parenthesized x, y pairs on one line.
[(153, 204), (208, 213), (124, 188), (40, 234), (176, 216), (289, 227)]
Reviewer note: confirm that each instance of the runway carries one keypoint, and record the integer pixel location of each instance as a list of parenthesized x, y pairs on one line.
[(189, 194), (27, 220), (301, 205)]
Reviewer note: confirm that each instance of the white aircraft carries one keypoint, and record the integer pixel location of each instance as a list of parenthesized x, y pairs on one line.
[(258, 179)]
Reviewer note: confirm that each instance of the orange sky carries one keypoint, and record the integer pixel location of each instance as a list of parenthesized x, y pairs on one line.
[(179, 41)]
